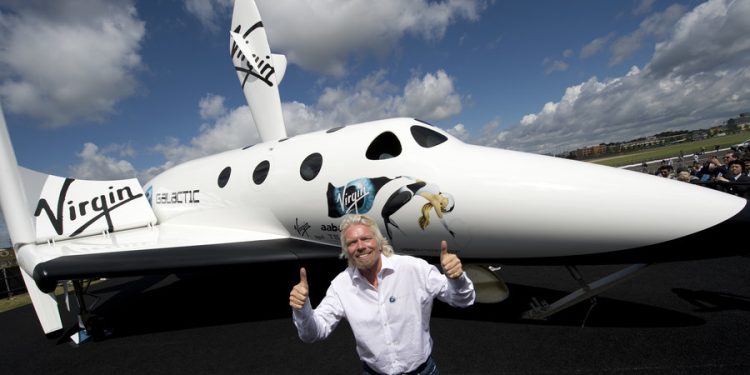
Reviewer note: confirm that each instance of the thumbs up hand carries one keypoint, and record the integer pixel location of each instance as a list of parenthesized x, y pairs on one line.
[(298, 296), (451, 264)]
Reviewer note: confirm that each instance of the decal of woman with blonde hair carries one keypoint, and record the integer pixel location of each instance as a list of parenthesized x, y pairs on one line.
[(436, 200)]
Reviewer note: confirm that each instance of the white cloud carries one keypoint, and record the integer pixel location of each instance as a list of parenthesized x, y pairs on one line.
[(212, 106), (209, 12), (643, 7), (76, 57), (712, 37), (551, 66), (595, 46), (699, 75), (96, 164), (431, 97), (657, 25), (459, 131), (233, 130), (322, 35)]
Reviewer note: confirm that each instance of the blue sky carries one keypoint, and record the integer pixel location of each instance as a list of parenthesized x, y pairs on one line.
[(98, 89)]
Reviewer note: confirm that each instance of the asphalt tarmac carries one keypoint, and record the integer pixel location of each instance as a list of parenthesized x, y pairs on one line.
[(675, 318)]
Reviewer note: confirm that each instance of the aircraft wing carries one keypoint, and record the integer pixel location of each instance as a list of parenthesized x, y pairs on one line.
[(161, 249)]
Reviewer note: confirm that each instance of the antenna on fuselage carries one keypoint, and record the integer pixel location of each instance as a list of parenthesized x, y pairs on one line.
[(258, 70)]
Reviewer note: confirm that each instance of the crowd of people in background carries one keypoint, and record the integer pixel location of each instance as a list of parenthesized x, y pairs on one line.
[(729, 172)]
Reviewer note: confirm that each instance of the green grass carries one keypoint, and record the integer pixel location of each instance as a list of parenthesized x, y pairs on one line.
[(23, 299), (7, 304), (669, 151)]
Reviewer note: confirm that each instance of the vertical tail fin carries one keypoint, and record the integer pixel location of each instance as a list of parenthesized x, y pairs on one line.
[(21, 228), (258, 70)]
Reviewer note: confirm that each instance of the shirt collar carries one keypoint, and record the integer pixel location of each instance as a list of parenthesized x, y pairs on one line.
[(386, 267)]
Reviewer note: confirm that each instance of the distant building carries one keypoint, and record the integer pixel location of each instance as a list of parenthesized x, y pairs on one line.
[(589, 152), (739, 122)]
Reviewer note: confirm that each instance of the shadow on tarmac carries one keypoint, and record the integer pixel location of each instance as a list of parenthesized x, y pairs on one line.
[(150, 304), (601, 312), (705, 301)]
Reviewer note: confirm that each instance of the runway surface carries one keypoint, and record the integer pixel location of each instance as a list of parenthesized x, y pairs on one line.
[(677, 318)]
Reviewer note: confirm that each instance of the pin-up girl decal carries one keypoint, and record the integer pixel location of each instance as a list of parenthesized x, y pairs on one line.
[(358, 196), (436, 200)]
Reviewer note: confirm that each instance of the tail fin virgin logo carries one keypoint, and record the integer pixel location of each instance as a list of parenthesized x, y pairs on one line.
[(69, 207), (264, 64)]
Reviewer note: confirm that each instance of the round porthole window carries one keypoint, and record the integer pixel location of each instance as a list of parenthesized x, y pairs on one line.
[(224, 176), (311, 166), (261, 172)]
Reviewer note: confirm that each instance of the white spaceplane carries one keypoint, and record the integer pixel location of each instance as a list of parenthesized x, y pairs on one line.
[(282, 200)]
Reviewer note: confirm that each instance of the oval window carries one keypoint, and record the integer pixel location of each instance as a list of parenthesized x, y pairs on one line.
[(384, 146), (261, 172), (311, 166), (224, 176)]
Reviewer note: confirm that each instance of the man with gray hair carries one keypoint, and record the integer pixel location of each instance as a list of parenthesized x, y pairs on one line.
[(386, 298)]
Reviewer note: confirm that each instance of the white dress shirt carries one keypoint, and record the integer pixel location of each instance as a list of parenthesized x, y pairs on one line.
[(391, 324)]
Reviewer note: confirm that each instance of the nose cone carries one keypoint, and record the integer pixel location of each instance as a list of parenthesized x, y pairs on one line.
[(723, 239), (720, 240), (529, 208)]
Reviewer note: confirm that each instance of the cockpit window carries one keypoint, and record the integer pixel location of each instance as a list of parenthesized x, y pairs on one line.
[(385, 146), (311, 166), (427, 137)]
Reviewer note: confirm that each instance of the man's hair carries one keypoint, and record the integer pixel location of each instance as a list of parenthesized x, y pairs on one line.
[(385, 248), (738, 162)]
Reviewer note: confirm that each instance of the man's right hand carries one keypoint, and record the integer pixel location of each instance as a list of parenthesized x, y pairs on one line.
[(298, 296)]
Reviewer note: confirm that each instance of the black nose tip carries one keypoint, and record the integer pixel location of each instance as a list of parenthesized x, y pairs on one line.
[(723, 239), (738, 223)]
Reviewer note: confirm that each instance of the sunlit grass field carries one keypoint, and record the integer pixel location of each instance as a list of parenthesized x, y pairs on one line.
[(670, 151)]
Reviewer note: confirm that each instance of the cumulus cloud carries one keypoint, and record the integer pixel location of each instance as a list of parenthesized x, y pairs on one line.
[(209, 12), (212, 106), (77, 57), (657, 25), (98, 164), (643, 7), (699, 74), (321, 36), (551, 66), (430, 96), (459, 131), (594, 46)]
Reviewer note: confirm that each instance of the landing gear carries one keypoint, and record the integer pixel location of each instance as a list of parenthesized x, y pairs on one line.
[(89, 326), (542, 310)]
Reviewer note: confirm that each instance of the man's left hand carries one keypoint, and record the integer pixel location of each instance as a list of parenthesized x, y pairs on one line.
[(451, 264)]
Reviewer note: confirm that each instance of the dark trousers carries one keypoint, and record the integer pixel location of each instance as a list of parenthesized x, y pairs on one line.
[(427, 368)]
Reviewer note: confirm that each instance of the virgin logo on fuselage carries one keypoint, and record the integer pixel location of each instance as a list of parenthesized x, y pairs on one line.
[(99, 206)]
